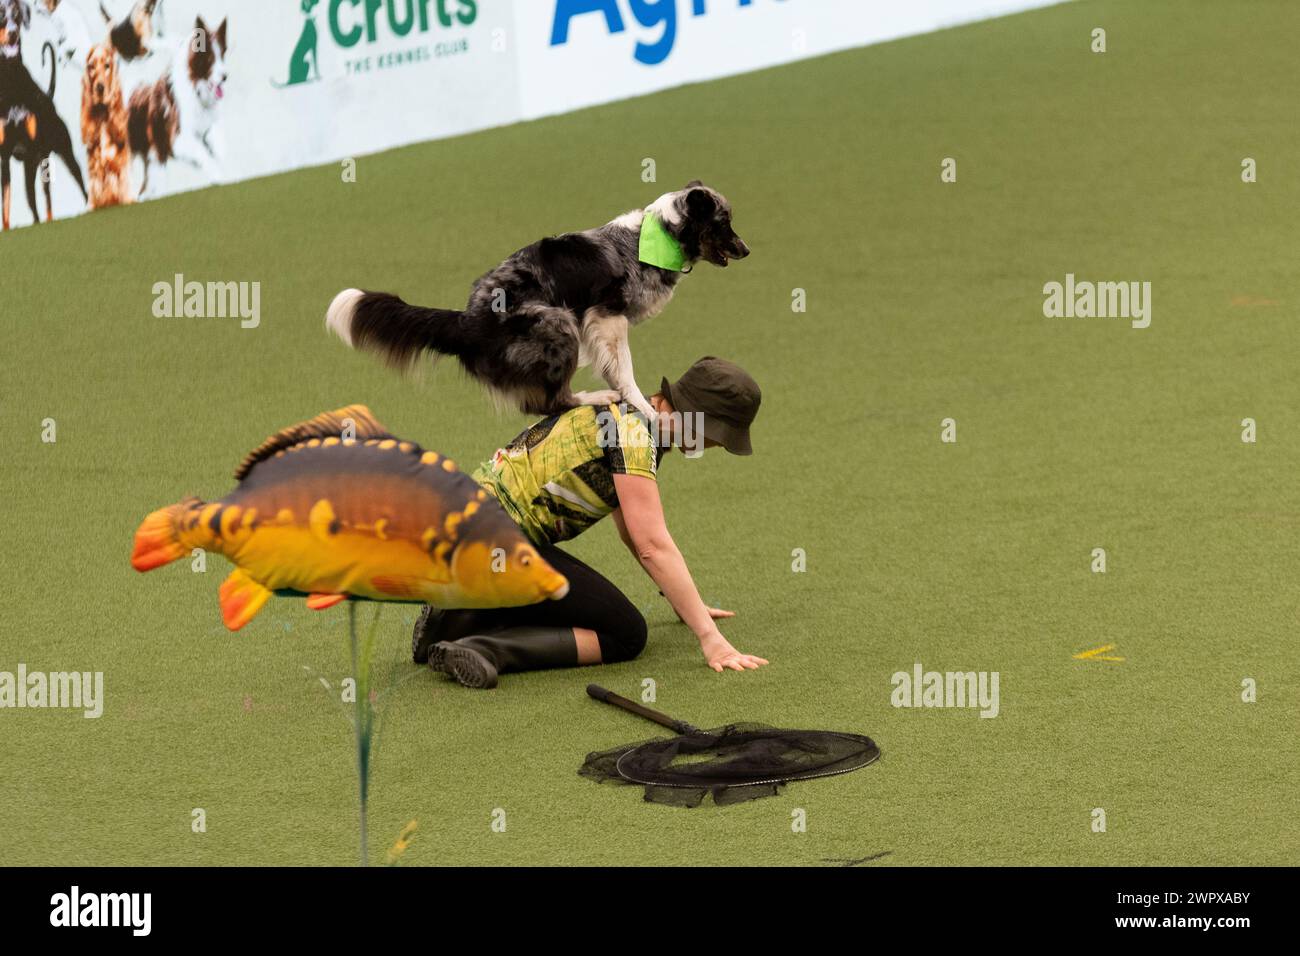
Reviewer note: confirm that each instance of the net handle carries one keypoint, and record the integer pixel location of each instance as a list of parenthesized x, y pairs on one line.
[(596, 692)]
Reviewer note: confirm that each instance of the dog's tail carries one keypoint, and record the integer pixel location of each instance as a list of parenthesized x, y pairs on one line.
[(399, 333), (49, 48)]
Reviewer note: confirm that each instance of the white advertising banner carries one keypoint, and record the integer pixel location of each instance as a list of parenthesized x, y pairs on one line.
[(576, 53), (111, 102)]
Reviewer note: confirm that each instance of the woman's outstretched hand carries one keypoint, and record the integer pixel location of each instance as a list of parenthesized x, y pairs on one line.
[(721, 656)]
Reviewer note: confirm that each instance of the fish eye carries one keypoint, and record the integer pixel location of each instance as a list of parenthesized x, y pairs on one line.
[(525, 559)]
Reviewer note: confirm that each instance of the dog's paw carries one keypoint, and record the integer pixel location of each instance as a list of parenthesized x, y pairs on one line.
[(606, 396), (647, 411)]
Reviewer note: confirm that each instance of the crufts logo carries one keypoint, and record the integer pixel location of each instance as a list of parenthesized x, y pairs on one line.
[(102, 909), (350, 22)]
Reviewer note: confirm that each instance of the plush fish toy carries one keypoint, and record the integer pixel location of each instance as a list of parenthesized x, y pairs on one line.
[(336, 507)]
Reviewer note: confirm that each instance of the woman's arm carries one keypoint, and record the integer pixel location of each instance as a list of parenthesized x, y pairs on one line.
[(641, 524), (716, 613)]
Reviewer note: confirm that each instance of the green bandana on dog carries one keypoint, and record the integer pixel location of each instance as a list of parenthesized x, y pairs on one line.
[(658, 247)]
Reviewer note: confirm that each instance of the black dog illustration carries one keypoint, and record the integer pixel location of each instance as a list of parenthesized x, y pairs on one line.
[(30, 128), (304, 59)]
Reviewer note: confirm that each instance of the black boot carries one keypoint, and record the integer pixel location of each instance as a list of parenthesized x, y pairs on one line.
[(422, 636), (477, 660)]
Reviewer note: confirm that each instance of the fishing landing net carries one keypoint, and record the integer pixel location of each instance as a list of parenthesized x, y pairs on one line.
[(732, 764)]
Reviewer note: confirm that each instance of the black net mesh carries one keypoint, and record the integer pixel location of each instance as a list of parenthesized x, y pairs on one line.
[(732, 764)]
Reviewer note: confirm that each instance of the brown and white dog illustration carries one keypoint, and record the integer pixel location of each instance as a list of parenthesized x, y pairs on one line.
[(103, 129), (130, 36), (175, 117)]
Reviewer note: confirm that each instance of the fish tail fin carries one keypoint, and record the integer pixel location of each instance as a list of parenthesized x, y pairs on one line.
[(157, 540)]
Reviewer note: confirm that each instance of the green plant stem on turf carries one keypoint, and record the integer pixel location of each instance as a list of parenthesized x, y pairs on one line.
[(364, 713)]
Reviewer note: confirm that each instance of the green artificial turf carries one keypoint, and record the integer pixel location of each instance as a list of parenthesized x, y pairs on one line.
[(924, 302)]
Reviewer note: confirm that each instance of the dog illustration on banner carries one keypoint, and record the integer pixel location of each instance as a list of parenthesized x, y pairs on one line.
[(175, 117), (103, 129), (68, 31), (30, 128), (130, 36), (305, 59)]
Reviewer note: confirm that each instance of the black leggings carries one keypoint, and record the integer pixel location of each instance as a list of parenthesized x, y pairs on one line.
[(592, 602)]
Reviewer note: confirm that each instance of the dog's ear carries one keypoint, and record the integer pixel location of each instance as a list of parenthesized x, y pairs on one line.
[(700, 205), (221, 38)]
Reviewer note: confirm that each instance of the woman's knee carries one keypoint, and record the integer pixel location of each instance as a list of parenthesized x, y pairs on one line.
[(623, 641)]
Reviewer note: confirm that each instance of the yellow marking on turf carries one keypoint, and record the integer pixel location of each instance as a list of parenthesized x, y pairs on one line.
[(1097, 654), (403, 842)]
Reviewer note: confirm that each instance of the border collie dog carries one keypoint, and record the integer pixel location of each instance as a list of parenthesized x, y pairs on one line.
[(555, 305)]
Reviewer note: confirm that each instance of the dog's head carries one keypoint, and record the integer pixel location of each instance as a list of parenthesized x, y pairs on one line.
[(100, 89), (134, 33), (700, 219), (207, 62), (14, 15), (142, 19)]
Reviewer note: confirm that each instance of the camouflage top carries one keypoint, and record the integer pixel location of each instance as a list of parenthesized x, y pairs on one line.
[(556, 479)]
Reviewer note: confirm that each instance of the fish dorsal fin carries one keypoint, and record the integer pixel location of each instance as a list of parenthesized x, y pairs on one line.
[(364, 426)]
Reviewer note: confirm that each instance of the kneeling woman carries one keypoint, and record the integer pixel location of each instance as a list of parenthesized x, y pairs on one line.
[(556, 480)]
